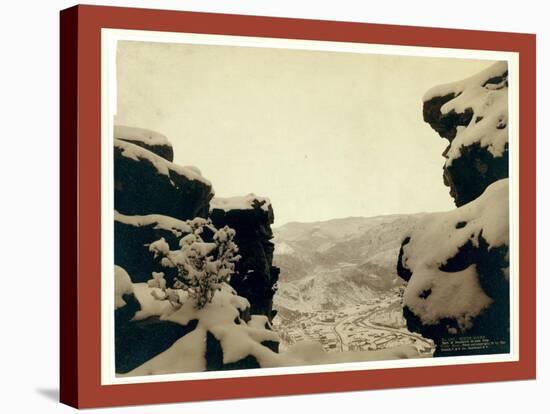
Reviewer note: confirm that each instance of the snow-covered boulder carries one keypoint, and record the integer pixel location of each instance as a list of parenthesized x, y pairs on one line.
[(126, 303), (140, 333), (456, 264), (255, 276), (472, 115), (138, 341), (150, 140), (123, 287), (220, 338), (146, 183)]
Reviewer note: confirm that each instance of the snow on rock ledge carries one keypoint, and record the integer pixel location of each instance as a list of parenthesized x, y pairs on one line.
[(150, 140), (248, 202), (157, 221), (456, 264), (162, 166), (473, 115), (134, 234), (146, 183)]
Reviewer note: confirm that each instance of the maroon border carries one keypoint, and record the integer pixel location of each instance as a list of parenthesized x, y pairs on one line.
[(80, 210), (68, 207)]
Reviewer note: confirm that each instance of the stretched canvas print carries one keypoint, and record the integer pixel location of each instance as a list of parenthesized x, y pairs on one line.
[(264, 203)]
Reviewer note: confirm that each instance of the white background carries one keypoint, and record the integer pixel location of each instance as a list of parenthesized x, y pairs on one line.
[(29, 238)]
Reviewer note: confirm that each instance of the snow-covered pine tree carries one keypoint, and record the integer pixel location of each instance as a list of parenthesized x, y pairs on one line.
[(202, 266)]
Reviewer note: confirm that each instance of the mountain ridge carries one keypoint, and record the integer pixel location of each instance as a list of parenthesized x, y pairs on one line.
[(338, 262)]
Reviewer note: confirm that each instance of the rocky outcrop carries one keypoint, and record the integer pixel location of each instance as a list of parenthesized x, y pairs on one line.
[(255, 276), (157, 200), (473, 116), (146, 183), (456, 263), (147, 139)]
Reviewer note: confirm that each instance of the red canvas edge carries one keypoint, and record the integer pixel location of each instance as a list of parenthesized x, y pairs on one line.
[(68, 381), (80, 210)]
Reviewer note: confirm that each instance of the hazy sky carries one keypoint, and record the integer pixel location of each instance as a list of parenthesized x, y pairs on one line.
[(322, 134)]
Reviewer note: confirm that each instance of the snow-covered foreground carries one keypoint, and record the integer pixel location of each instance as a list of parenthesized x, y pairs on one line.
[(239, 339)]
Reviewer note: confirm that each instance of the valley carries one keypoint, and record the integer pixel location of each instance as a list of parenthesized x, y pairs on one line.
[(338, 284), (373, 325)]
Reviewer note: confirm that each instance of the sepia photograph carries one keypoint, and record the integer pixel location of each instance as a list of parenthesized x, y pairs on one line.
[(298, 206)]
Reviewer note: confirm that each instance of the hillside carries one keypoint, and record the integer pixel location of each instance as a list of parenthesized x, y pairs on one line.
[(340, 262)]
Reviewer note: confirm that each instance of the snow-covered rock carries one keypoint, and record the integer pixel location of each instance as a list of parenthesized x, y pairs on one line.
[(145, 183), (125, 300), (457, 265), (137, 341), (134, 234), (472, 115), (249, 202), (222, 340), (140, 334), (150, 140), (255, 276), (123, 286)]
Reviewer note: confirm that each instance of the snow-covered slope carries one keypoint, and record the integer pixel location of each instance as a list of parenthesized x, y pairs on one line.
[(325, 289), (243, 343), (326, 265)]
